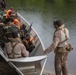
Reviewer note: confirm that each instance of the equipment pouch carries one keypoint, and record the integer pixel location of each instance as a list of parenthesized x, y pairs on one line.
[(61, 49), (69, 47)]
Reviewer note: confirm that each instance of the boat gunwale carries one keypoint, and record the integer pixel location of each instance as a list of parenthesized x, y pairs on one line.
[(34, 31)]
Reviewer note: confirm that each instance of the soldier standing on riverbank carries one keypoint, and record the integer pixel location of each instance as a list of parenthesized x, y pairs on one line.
[(61, 35)]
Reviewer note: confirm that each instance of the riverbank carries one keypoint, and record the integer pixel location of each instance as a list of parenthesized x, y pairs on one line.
[(48, 74)]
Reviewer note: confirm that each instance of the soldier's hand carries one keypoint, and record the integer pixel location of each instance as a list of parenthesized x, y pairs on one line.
[(45, 51)]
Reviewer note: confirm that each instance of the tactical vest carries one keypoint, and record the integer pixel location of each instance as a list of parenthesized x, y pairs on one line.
[(13, 53)]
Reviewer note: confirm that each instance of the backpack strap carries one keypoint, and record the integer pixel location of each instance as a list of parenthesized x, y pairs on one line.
[(65, 37), (13, 46)]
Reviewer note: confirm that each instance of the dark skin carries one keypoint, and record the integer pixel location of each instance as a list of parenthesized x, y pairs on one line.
[(56, 26), (28, 38)]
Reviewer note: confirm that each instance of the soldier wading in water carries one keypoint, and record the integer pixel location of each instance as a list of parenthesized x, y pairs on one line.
[(59, 45)]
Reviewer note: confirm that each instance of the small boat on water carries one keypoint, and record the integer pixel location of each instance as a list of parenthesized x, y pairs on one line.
[(33, 65)]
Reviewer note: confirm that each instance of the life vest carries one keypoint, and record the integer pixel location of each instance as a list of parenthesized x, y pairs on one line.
[(29, 42), (8, 13), (17, 22)]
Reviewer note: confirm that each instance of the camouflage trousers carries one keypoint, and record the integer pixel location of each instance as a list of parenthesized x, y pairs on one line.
[(61, 63)]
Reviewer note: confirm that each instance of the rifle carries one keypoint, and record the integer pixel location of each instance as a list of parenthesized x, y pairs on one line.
[(29, 30)]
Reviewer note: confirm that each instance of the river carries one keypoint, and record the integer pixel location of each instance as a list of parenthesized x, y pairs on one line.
[(42, 13)]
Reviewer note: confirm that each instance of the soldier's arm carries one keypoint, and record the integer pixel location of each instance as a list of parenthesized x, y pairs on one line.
[(54, 43), (24, 51)]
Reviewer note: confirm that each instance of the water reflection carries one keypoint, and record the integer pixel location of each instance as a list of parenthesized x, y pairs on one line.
[(42, 13)]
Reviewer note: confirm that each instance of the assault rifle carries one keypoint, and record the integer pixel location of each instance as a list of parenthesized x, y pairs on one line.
[(29, 29)]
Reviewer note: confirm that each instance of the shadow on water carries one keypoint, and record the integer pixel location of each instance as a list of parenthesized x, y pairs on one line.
[(42, 13)]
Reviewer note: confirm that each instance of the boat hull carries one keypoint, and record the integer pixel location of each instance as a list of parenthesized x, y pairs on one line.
[(33, 63)]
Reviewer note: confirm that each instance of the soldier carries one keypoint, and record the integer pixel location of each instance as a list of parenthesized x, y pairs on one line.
[(61, 35), (3, 4), (29, 43), (15, 48)]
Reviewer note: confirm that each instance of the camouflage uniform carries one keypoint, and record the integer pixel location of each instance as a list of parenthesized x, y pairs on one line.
[(18, 51), (62, 56), (61, 63)]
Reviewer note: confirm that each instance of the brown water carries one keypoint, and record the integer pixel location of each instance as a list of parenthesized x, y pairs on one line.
[(42, 13)]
